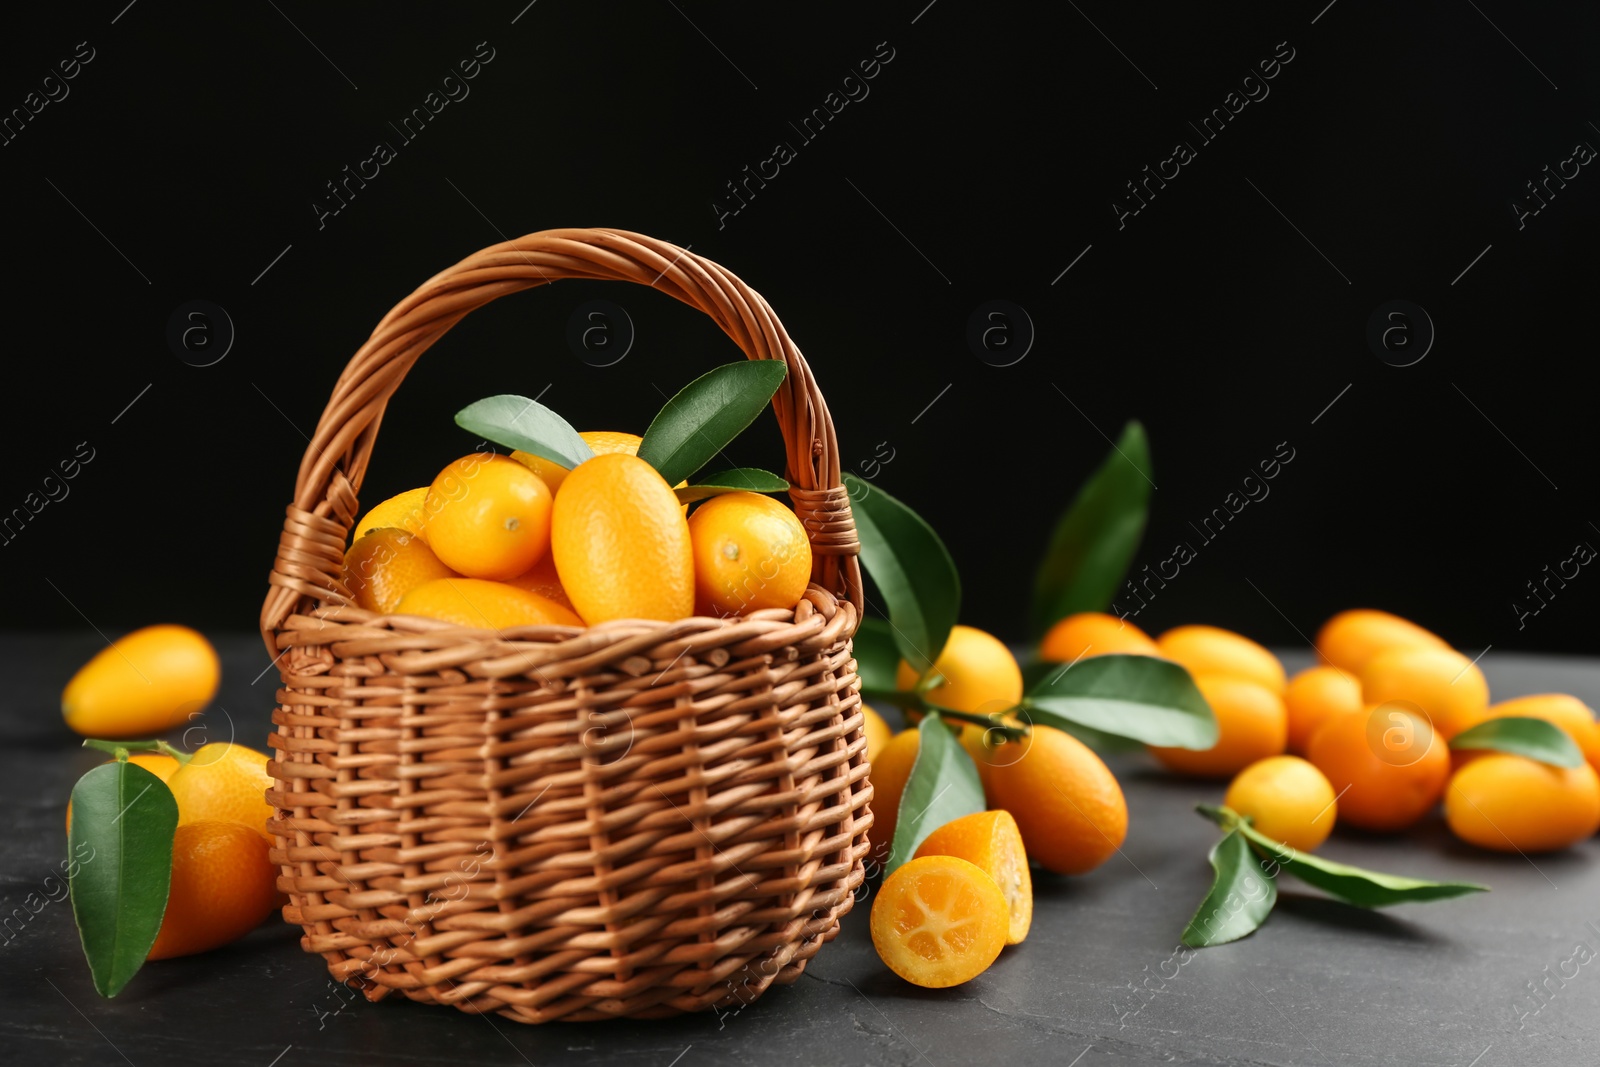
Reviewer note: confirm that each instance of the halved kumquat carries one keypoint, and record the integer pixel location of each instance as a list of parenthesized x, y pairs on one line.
[(939, 921), (991, 841)]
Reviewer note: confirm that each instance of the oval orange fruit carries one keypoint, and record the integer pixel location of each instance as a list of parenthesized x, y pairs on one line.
[(1067, 803), (1314, 695), (1351, 638), (404, 511), (223, 781), (878, 732), (1514, 804), (1287, 799), (750, 553), (386, 564), (621, 543), (978, 670), (1387, 765), (223, 885), (143, 683), (488, 517), (484, 605), (1213, 650), (544, 580), (890, 771), (1252, 724), (1094, 633), (1447, 686)]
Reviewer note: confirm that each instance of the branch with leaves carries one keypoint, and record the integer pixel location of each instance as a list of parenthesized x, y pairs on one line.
[(1248, 863), (1137, 698), (1095, 539)]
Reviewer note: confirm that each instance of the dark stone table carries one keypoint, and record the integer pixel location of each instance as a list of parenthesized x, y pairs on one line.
[(1097, 982)]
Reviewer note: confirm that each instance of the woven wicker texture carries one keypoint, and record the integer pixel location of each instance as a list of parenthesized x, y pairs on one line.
[(631, 820)]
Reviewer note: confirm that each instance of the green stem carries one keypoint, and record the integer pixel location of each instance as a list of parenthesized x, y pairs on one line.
[(914, 700), (1222, 815), (120, 749), (988, 722)]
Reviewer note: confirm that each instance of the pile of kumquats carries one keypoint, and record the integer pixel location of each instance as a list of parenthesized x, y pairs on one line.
[(1388, 724)]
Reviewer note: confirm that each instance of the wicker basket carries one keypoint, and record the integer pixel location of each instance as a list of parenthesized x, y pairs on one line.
[(631, 820)]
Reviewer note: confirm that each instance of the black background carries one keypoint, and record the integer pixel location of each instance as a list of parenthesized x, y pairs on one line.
[(1227, 315)]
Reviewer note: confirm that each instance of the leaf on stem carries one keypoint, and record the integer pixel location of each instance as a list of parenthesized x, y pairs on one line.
[(706, 414), (912, 570), (521, 423), (943, 786), (1241, 896), (1094, 541), (737, 480), (1140, 697), (120, 867), (1533, 738), (1353, 885)]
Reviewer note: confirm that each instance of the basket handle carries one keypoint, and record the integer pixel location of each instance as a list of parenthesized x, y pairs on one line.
[(310, 559)]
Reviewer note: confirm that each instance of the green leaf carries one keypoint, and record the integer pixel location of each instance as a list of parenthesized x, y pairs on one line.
[(1035, 671), (518, 422), (1094, 541), (1241, 896), (1139, 697), (1353, 885), (877, 658), (737, 480), (1533, 738), (120, 867), (706, 414), (943, 786), (1098, 740), (911, 568)]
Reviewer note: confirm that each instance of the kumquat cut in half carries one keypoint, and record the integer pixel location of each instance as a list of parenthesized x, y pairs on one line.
[(939, 921), (991, 841)]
